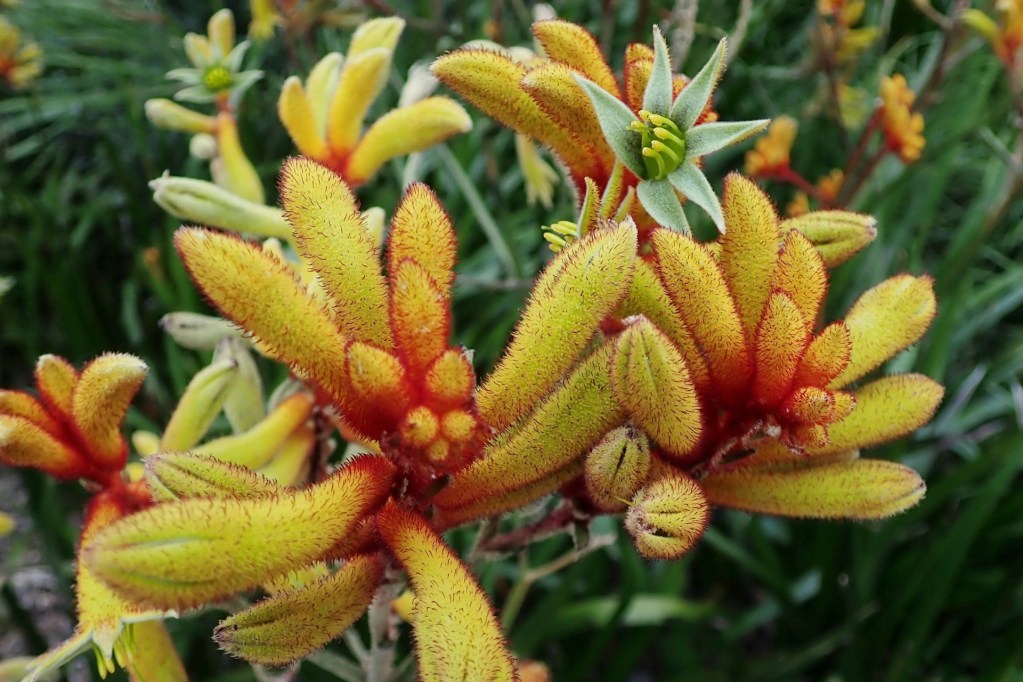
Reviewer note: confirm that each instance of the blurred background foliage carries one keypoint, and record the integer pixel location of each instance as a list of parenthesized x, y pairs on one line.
[(933, 594)]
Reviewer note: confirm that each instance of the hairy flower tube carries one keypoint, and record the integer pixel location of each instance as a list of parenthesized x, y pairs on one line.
[(657, 125), (376, 348), (713, 385), (324, 116), (270, 448), (72, 431), (902, 127)]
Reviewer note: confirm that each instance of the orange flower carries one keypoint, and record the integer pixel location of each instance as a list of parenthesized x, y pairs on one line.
[(1005, 35), (830, 185), (73, 430), (903, 128), (770, 154)]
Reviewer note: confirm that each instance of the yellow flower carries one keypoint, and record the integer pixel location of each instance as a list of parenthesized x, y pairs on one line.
[(770, 154), (902, 127), (324, 116), (1005, 35), (264, 19), (20, 61)]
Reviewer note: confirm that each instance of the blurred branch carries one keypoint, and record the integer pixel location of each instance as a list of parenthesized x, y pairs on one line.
[(683, 22), (517, 595), (738, 34)]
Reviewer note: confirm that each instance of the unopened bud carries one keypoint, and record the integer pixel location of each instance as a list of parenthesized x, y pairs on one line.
[(420, 84), (205, 203), (244, 405), (668, 516), (838, 235), (616, 467), (198, 332), (203, 146), (199, 406), (163, 113)]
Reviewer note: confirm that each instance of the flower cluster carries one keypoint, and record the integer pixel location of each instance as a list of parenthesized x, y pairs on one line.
[(679, 379), (73, 430), (650, 375)]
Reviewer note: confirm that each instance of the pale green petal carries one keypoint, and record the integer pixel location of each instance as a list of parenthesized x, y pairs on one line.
[(657, 96), (691, 181), (663, 205), (709, 137), (694, 97), (614, 119)]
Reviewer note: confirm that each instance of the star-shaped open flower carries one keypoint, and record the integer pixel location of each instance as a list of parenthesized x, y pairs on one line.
[(645, 135), (216, 72), (664, 143)]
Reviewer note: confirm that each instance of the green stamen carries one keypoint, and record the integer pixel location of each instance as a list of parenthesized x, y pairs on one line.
[(560, 234), (217, 78), (664, 154)]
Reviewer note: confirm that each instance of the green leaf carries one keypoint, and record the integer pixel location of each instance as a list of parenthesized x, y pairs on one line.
[(709, 137), (657, 96), (663, 205), (694, 97), (614, 119), (691, 181)]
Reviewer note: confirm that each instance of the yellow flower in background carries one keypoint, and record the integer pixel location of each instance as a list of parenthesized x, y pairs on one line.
[(215, 74), (902, 127), (324, 116), (1005, 35), (214, 77), (838, 35), (20, 60), (770, 154), (6, 524), (265, 19)]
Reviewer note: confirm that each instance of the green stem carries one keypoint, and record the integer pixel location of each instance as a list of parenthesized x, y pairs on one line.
[(480, 210)]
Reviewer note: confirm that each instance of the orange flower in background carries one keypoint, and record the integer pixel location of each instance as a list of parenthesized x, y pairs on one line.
[(902, 127), (770, 154)]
